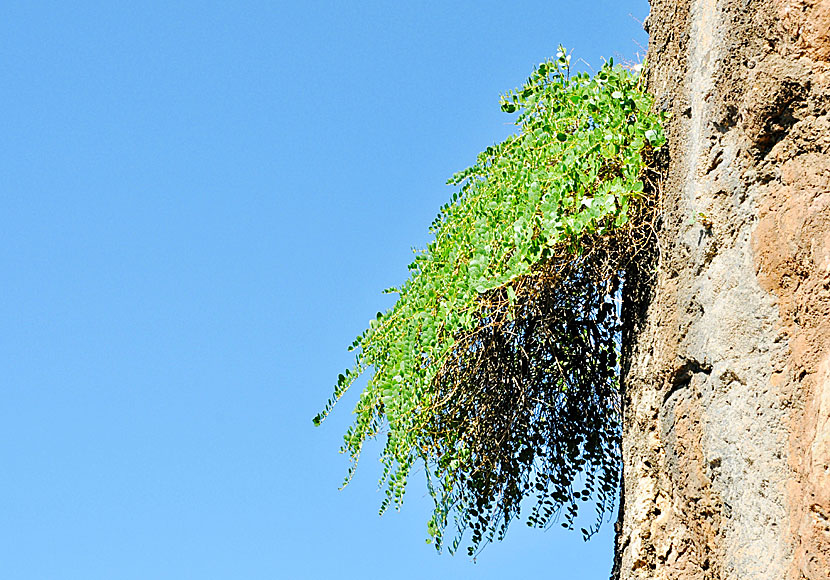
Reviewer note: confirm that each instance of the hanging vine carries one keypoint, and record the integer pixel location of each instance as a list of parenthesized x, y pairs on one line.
[(497, 367)]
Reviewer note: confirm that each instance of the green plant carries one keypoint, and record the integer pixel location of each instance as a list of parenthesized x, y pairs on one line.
[(497, 367)]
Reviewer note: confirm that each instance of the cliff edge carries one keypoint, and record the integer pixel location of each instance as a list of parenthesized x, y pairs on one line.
[(727, 382)]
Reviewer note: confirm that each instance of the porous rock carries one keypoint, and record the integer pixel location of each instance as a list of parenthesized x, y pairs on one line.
[(726, 382)]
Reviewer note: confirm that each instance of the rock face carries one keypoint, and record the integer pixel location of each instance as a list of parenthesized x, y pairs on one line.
[(727, 384)]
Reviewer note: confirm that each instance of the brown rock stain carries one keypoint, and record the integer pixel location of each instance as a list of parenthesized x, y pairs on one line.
[(809, 22), (792, 252)]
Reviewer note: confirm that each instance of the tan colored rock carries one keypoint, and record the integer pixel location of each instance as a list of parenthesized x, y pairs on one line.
[(727, 383)]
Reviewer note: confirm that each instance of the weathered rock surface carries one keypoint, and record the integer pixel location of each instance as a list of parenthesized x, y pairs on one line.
[(727, 388)]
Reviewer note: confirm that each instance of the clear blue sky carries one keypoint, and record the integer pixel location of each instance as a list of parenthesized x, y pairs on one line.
[(199, 206)]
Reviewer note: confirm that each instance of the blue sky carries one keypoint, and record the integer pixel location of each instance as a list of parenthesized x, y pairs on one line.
[(199, 206)]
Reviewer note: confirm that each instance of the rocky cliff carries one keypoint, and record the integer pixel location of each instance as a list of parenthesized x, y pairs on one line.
[(727, 385)]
